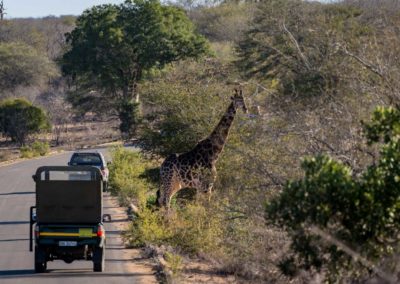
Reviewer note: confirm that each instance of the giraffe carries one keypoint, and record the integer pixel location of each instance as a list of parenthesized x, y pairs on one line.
[(196, 168)]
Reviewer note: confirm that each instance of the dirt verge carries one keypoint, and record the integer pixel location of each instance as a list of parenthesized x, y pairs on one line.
[(133, 260)]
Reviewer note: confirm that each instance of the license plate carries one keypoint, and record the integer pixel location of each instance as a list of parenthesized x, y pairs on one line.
[(67, 244)]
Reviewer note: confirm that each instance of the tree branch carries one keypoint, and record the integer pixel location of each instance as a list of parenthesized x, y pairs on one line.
[(293, 39)]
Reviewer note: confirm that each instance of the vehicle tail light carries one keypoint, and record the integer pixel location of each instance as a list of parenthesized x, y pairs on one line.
[(37, 232), (100, 231)]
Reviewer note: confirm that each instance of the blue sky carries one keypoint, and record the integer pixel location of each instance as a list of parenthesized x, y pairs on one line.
[(42, 8)]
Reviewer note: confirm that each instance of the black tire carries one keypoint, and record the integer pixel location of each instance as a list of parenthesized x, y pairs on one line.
[(40, 261), (99, 259)]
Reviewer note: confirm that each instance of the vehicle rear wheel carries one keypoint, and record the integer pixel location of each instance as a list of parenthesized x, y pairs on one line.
[(40, 261), (99, 259)]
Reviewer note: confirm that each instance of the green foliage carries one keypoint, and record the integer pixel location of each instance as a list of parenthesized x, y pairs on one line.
[(22, 65), (19, 118), (26, 152), (194, 229), (191, 229), (112, 46), (361, 212), (174, 262), (36, 149), (41, 148), (149, 228), (125, 176), (185, 105)]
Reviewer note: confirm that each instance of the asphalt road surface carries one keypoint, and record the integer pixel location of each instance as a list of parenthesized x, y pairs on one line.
[(16, 261)]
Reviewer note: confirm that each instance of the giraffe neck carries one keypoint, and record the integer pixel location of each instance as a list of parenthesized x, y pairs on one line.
[(221, 131)]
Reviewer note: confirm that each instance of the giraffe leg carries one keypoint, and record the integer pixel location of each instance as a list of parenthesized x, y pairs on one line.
[(170, 185), (167, 172), (210, 182)]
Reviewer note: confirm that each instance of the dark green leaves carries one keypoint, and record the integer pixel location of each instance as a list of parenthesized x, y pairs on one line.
[(112, 46), (19, 118)]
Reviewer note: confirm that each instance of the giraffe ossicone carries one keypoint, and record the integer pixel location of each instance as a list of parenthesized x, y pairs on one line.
[(196, 168)]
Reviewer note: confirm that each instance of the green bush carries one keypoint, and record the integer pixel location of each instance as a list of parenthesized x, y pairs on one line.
[(192, 229), (19, 118), (36, 149), (150, 227), (40, 148), (26, 152), (125, 177), (330, 211), (174, 262)]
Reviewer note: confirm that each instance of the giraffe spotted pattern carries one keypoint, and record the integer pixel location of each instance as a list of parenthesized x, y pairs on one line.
[(196, 168)]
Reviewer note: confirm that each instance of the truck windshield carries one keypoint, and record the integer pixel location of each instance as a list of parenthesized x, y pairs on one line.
[(66, 175)]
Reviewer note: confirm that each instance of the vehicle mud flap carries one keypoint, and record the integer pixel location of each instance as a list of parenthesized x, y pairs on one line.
[(40, 260), (99, 257)]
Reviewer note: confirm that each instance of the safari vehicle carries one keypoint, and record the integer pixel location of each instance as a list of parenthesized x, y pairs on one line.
[(67, 219)]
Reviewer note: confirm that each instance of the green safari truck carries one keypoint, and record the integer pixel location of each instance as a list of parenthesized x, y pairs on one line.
[(66, 223)]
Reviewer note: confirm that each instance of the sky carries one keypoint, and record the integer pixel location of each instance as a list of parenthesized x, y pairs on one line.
[(42, 8)]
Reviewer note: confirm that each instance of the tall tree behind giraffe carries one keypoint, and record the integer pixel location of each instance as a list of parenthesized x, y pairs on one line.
[(196, 168)]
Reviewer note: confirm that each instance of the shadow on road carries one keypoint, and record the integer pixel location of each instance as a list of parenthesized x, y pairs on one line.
[(17, 193), (14, 222), (13, 240)]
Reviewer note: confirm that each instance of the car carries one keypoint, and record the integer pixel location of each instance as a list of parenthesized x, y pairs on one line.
[(92, 158), (66, 222)]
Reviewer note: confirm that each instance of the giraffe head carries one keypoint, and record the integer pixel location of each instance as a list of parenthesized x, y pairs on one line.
[(238, 100)]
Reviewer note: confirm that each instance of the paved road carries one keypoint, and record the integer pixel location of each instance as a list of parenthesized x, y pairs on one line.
[(16, 262)]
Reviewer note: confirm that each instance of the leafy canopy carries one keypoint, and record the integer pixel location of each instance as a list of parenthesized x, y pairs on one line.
[(19, 118), (112, 46), (363, 212)]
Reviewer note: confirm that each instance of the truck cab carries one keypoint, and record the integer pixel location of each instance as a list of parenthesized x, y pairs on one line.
[(66, 223)]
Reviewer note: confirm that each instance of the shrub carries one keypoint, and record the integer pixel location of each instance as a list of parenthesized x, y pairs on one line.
[(194, 229), (19, 118), (149, 228), (174, 262), (340, 222), (36, 149), (26, 152), (40, 148), (125, 177)]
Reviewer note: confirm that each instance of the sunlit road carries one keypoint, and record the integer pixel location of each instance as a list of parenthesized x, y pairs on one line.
[(16, 262)]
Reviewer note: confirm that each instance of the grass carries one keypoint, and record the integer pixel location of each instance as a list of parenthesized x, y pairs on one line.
[(36, 149)]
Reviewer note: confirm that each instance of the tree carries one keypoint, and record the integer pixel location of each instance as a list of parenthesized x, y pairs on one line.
[(19, 118), (22, 66), (112, 46), (2, 10), (342, 222)]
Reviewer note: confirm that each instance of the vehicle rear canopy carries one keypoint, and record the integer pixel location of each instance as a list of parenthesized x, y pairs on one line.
[(68, 195)]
